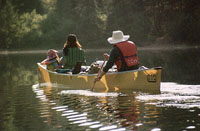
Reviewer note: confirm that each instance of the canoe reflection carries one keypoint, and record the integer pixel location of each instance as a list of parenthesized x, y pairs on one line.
[(86, 109)]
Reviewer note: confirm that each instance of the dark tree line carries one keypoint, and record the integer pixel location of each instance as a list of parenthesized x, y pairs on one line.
[(46, 23)]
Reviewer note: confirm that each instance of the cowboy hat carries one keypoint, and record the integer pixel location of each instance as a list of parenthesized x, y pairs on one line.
[(117, 36)]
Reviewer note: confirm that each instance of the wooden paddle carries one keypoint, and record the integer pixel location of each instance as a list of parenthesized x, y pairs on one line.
[(99, 72)]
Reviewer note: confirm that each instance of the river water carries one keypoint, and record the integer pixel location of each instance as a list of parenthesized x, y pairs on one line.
[(25, 106)]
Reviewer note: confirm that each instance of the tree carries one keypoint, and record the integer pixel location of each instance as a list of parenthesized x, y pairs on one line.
[(8, 17), (130, 17)]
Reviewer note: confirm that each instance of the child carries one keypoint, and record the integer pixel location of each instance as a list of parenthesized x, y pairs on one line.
[(52, 61)]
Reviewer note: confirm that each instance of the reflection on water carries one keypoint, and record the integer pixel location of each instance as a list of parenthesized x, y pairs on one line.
[(175, 95), (181, 66), (24, 105), (87, 93), (88, 110), (18, 69), (97, 111)]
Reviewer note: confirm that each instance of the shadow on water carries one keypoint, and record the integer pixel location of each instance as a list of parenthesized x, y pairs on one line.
[(47, 108)]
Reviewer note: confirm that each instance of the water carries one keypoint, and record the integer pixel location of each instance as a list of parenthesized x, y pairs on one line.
[(26, 106)]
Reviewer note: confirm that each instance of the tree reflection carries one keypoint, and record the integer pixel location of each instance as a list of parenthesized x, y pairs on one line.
[(18, 69), (179, 66)]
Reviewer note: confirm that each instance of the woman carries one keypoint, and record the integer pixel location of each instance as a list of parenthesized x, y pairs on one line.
[(73, 53)]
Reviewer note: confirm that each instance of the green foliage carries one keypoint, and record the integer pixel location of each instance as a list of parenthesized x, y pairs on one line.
[(28, 28), (54, 30), (130, 17), (18, 30), (185, 25), (46, 23), (8, 18), (27, 6), (68, 17)]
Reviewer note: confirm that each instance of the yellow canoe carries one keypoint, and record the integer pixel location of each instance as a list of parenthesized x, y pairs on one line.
[(144, 80)]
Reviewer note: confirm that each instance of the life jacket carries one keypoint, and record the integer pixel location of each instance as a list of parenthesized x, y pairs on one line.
[(129, 53), (74, 55), (53, 64)]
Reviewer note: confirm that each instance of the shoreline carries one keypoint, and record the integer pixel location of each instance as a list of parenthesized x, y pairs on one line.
[(147, 48)]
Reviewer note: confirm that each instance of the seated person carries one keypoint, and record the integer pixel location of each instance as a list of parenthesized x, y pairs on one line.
[(74, 55), (52, 61), (123, 54)]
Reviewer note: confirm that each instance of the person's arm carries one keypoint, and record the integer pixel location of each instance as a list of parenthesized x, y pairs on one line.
[(110, 61), (109, 64), (44, 62), (63, 60), (98, 78)]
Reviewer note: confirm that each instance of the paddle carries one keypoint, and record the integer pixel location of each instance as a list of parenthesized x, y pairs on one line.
[(99, 72)]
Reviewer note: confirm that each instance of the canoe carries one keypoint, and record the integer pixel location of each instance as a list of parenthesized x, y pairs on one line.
[(144, 80)]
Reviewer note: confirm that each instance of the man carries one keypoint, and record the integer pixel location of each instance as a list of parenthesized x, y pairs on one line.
[(123, 54)]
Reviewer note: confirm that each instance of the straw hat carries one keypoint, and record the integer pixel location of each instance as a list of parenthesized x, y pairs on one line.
[(117, 36)]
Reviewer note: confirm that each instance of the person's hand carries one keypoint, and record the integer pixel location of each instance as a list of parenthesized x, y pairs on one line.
[(106, 56), (97, 79)]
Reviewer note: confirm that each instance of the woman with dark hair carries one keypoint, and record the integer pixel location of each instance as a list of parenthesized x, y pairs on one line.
[(71, 43), (73, 53)]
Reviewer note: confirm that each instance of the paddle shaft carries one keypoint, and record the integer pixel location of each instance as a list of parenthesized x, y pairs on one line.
[(99, 72)]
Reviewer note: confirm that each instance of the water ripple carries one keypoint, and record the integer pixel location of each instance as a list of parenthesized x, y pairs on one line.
[(86, 110), (174, 95), (87, 93)]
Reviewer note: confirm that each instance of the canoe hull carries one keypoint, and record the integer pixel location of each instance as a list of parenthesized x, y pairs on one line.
[(147, 80)]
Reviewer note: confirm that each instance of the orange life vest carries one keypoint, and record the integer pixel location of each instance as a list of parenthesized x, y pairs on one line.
[(129, 53)]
